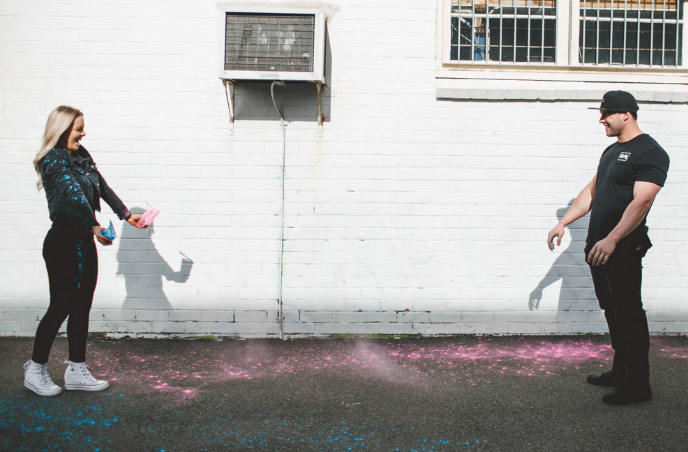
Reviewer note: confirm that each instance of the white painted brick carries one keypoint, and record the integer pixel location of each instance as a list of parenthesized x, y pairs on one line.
[(299, 328), (249, 316), (255, 316), (413, 317), (590, 327), (572, 316), (169, 327), (364, 328), (511, 316), (444, 329), (203, 316), (364, 317), (394, 328), (667, 316), (315, 317), (477, 317), (384, 211), (113, 315), (105, 326), (446, 317), (249, 329), (331, 328), (539, 328), (151, 315), (9, 327), (670, 328)]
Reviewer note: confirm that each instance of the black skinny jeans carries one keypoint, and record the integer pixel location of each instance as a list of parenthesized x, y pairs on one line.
[(618, 289), (72, 262)]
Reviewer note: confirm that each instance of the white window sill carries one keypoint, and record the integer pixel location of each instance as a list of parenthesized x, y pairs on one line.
[(554, 84)]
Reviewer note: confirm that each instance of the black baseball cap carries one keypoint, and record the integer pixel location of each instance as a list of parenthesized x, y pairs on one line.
[(618, 101)]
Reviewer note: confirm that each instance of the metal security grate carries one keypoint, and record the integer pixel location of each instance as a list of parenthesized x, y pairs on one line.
[(269, 42), (503, 30), (631, 32)]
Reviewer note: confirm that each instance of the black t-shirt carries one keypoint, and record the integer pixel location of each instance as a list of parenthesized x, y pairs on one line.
[(620, 167)]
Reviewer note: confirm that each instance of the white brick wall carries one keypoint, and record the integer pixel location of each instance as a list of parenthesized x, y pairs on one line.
[(404, 214)]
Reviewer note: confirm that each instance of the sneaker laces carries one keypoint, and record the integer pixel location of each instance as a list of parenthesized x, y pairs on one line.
[(42, 373), (45, 376), (81, 368)]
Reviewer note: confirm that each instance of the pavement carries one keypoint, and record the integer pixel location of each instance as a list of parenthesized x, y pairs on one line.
[(383, 394)]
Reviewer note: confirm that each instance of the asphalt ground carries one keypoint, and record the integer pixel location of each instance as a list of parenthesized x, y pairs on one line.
[(431, 394)]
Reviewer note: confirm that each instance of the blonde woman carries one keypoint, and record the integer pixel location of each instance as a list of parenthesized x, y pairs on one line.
[(73, 187)]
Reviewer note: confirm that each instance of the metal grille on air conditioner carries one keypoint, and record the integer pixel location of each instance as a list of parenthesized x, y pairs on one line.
[(273, 46)]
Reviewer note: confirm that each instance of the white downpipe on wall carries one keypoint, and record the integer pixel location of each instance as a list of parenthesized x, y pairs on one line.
[(283, 124)]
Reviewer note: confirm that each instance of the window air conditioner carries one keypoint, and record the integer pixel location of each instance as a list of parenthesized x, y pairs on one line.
[(273, 45)]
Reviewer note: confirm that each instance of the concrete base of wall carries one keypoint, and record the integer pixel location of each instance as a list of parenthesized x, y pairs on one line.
[(265, 324)]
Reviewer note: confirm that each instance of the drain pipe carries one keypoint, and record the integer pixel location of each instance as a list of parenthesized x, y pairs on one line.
[(283, 124)]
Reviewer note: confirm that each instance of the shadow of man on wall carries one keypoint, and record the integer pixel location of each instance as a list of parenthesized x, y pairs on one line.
[(577, 292), (144, 268)]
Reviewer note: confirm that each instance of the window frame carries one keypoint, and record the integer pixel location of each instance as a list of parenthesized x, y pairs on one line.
[(567, 77)]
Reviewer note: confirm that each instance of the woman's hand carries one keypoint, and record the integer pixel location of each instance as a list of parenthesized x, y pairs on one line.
[(98, 232), (134, 220)]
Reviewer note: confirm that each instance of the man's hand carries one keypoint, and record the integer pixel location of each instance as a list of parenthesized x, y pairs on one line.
[(581, 206), (600, 253), (556, 232), (643, 195)]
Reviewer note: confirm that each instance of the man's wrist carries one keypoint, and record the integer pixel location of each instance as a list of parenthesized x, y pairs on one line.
[(613, 238)]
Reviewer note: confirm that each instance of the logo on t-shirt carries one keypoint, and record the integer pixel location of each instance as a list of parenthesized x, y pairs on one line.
[(623, 156)]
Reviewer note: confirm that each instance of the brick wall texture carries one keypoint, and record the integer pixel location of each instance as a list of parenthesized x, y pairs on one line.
[(404, 214)]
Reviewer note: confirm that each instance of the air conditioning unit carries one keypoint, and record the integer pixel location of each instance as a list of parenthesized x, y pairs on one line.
[(284, 44)]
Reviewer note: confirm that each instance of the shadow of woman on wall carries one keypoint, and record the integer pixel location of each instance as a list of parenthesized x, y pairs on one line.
[(576, 293), (144, 268)]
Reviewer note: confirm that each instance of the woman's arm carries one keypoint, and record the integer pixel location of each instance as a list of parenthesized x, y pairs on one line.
[(116, 204)]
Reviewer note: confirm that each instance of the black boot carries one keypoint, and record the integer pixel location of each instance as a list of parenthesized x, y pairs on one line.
[(637, 386), (611, 378), (614, 378), (628, 394)]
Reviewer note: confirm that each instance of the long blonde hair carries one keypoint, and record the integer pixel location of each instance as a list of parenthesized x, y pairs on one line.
[(59, 121)]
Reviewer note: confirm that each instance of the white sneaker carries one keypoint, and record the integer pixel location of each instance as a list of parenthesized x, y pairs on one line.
[(78, 378), (37, 379)]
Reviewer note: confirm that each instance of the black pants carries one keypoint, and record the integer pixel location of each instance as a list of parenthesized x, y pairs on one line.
[(618, 289), (72, 262)]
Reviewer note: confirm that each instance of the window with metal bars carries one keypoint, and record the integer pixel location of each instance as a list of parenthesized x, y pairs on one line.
[(641, 33), (503, 30), (631, 32)]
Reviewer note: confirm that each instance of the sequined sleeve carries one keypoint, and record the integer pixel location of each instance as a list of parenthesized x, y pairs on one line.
[(55, 171)]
